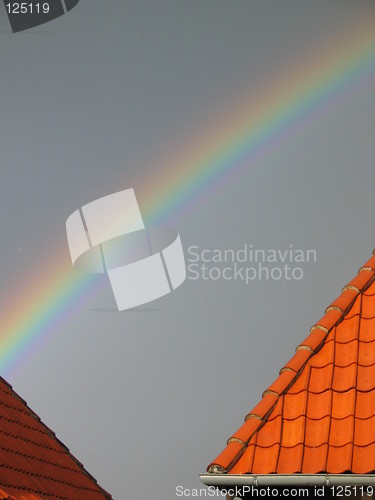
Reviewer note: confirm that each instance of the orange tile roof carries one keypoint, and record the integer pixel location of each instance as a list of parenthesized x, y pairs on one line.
[(34, 464), (319, 414)]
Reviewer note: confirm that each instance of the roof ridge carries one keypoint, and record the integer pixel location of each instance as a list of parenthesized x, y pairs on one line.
[(290, 372)]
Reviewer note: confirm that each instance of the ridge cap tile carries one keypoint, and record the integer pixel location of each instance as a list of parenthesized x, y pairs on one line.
[(330, 319), (298, 360), (227, 457), (314, 340), (282, 382), (247, 429), (264, 406), (362, 280), (345, 300), (370, 262)]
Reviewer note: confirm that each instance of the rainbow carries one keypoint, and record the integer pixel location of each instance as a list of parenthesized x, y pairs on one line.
[(222, 149), (234, 142), (29, 320)]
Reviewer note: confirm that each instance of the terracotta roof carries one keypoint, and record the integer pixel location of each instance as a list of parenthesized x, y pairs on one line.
[(319, 414), (34, 464)]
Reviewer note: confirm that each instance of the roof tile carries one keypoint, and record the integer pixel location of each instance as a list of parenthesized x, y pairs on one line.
[(341, 431), (343, 403), (368, 307), (290, 459), (346, 354), (365, 404), (366, 353), (294, 405), (363, 459), (344, 378), (265, 459), (314, 459), (364, 433), (317, 431), (293, 432), (320, 378), (319, 405), (366, 378), (367, 331), (348, 329), (339, 459)]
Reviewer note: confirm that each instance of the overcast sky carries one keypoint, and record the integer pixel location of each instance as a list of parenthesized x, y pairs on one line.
[(119, 94)]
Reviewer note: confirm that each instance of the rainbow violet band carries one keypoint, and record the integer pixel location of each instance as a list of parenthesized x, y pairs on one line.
[(108, 236)]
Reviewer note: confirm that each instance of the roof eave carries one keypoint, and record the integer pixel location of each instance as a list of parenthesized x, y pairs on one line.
[(264, 480)]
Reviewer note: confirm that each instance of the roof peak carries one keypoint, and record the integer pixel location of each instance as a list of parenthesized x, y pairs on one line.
[(266, 424)]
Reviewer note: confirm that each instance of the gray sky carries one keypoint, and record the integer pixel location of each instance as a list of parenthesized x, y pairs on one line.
[(99, 100)]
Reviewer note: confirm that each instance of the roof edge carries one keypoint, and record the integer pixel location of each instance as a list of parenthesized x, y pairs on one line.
[(261, 480)]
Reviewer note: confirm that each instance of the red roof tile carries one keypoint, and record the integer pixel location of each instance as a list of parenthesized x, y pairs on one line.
[(319, 414), (34, 464)]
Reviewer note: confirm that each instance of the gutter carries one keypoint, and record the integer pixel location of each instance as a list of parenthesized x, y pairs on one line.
[(262, 480)]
